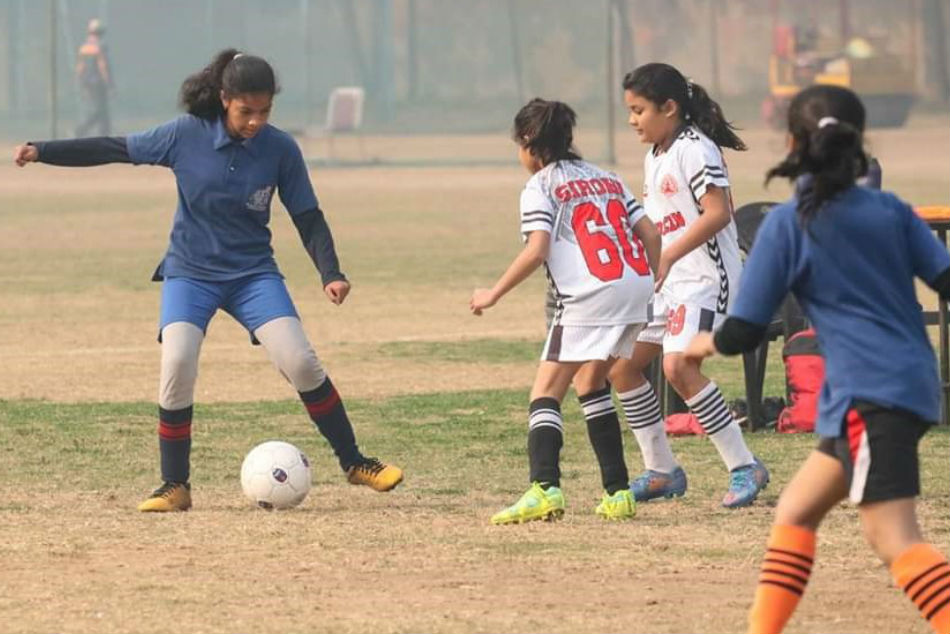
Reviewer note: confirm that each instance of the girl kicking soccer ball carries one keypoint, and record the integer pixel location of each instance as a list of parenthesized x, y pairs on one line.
[(686, 193), (849, 254), (228, 163), (580, 222)]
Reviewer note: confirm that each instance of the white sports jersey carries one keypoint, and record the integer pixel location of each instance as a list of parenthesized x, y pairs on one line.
[(674, 182), (597, 267)]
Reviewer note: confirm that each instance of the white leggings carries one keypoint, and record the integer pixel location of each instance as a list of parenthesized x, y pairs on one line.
[(283, 338)]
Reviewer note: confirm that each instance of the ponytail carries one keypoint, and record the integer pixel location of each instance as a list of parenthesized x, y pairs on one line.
[(827, 128), (230, 72), (707, 115), (659, 83), (201, 92), (546, 129)]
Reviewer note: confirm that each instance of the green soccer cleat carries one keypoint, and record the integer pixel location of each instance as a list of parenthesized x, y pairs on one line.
[(536, 504), (619, 506)]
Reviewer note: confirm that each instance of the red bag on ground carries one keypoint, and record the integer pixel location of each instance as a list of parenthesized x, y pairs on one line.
[(804, 374), (683, 424)]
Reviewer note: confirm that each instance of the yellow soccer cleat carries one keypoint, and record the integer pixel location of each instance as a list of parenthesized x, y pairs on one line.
[(536, 504), (374, 474), (171, 496), (619, 506)]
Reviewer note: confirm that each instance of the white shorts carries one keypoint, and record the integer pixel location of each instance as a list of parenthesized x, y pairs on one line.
[(590, 343), (674, 325)]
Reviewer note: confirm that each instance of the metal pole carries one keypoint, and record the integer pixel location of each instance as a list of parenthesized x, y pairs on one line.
[(845, 19), (21, 83), (70, 46), (714, 47), (610, 154), (627, 48), (13, 55), (412, 51), (245, 33), (209, 23), (307, 56), (914, 45), (51, 86), (352, 32), (383, 53), (516, 65)]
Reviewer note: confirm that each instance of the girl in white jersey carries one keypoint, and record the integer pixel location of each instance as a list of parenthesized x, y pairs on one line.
[(686, 193), (600, 251)]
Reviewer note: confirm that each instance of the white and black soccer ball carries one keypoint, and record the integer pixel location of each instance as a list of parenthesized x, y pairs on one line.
[(275, 475)]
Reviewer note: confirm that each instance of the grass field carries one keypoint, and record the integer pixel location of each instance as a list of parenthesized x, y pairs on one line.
[(429, 387)]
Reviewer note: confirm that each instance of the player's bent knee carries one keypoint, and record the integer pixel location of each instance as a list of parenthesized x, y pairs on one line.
[(303, 369), (291, 352), (788, 515), (886, 545), (591, 377), (890, 528), (675, 370)]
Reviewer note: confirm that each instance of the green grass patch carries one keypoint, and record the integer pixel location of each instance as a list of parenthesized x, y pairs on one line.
[(467, 351), (451, 444)]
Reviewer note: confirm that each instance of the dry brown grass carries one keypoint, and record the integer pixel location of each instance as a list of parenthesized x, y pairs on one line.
[(78, 318)]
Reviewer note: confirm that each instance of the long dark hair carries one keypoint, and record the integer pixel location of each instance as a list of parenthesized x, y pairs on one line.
[(658, 83), (230, 71), (827, 128), (546, 129)]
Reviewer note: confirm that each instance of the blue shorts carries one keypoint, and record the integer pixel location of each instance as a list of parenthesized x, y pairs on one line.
[(252, 301)]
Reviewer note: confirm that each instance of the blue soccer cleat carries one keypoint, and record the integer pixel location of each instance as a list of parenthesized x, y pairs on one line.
[(745, 484), (651, 484)]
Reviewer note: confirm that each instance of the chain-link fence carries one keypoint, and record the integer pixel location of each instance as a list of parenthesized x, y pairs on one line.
[(439, 68)]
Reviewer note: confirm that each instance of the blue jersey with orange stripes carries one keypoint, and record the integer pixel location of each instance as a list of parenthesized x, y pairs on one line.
[(852, 269)]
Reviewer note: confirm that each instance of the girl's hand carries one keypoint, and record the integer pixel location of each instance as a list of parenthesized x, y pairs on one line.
[(482, 298), (24, 154), (700, 347), (662, 270), (337, 291)]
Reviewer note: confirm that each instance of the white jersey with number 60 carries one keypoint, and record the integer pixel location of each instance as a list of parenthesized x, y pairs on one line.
[(597, 266)]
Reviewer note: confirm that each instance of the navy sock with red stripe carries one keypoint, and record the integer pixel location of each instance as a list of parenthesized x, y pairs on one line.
[(327, 413), (174, 443)]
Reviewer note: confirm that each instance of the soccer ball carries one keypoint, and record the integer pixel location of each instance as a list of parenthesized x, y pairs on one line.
[(275, 475)]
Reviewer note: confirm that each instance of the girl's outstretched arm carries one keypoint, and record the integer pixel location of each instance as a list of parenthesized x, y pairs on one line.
[(533, 255), (74, 152)]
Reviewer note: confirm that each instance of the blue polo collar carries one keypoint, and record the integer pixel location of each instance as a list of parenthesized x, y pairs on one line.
[(222, 139)]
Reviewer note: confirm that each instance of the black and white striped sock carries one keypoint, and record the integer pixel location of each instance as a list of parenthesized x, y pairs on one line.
[(545, 439), (603, 429), (723, 430), (642, 410)]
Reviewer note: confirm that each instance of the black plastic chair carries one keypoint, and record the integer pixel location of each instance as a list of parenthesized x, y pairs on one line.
[(788, 320)]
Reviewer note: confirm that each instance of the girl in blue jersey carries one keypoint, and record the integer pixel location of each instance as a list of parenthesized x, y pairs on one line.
[(849, 254), (228, 162)]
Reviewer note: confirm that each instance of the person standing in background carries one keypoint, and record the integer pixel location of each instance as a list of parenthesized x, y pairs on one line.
[(95, 81)]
